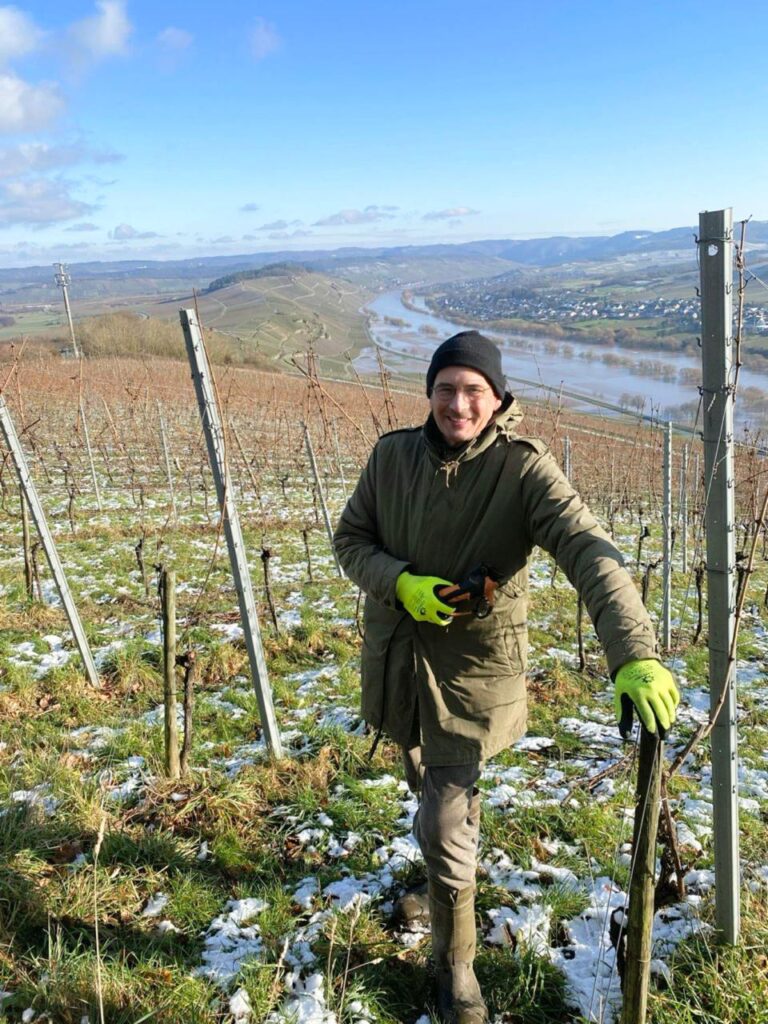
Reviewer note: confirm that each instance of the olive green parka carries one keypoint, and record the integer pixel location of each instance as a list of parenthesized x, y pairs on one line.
[(442, 512)]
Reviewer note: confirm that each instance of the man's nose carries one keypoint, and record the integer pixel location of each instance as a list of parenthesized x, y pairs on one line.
[(459, 402)]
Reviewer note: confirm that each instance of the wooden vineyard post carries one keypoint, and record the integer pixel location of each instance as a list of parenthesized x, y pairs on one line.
[(214, 437), (29, 574), (321, 494), (641, 889), (718, 368), (189, 664), (171, 728), (35, 507)]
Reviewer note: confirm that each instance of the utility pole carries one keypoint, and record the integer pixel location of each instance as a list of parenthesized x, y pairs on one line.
[(715, 244), (214, 437), (666, 519), (62, 280)]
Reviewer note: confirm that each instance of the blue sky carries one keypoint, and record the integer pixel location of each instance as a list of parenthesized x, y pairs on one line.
[(131, 129)]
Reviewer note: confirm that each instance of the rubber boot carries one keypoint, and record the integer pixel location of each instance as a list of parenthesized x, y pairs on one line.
[(452, 917)]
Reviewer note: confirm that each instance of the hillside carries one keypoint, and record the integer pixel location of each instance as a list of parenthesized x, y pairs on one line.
[(279, 312)]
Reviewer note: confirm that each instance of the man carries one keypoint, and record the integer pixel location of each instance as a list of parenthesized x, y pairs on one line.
[(443, 674)]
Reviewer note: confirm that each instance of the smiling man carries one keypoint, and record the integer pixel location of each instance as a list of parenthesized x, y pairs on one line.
[(438, 534)]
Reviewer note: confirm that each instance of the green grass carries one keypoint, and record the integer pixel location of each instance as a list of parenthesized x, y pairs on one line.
[(714, 984), (250, 819)]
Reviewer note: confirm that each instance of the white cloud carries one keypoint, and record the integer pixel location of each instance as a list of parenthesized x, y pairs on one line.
[(366, 216), (264, 39), (249, 208), (25, 107), (455, 211), (173, 46), (85, 226), (105, 33), (18, 34), (172, 38), (44, 156), (124, 232), (280, 225), (39, 203), (284, 235)]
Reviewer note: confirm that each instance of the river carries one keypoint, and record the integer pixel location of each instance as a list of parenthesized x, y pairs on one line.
[(671, 392)]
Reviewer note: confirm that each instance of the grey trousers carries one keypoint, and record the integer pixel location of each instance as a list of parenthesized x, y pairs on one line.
[(447, 823)]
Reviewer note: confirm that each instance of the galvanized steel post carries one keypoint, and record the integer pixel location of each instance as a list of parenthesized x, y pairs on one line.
[(715, 244), (51, 554)]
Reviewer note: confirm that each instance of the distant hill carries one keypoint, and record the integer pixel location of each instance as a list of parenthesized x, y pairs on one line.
[(270, 270), (276, 311), (377, 267), (103, 284)]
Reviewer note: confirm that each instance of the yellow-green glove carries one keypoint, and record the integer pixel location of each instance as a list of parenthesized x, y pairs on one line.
[(417, 596), (649, 687)]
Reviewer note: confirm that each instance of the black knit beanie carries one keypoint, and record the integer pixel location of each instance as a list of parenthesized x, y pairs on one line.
[(472, 349)]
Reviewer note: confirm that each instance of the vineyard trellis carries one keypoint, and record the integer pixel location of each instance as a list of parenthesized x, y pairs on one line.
[(618, 463)]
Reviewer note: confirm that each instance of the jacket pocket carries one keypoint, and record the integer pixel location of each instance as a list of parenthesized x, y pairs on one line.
[(516, 647)]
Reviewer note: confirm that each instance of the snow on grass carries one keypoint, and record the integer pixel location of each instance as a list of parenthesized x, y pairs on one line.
[(528, 926), (26, 655), (231, 939), (586, 956), (39, 797)]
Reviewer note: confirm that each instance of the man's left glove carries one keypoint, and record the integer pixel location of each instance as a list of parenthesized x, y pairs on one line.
[(649, 687)]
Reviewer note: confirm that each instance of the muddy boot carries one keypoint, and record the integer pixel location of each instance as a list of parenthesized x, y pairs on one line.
[(452, 917), (411, 911)]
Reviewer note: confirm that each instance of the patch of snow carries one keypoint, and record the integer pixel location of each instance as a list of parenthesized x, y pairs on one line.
[(229, 941), (529, 926), (534, 743), (306, 1003), (155, 905), (305, 892), (240, 1006), (37, 797)]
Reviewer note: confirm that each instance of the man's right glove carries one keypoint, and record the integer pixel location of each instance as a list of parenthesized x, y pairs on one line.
[(649, 687), (417, 596)]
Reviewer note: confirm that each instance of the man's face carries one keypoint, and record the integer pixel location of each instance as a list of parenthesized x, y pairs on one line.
[(462, 403)]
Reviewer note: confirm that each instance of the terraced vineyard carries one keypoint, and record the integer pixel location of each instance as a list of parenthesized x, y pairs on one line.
[(263, 890)]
